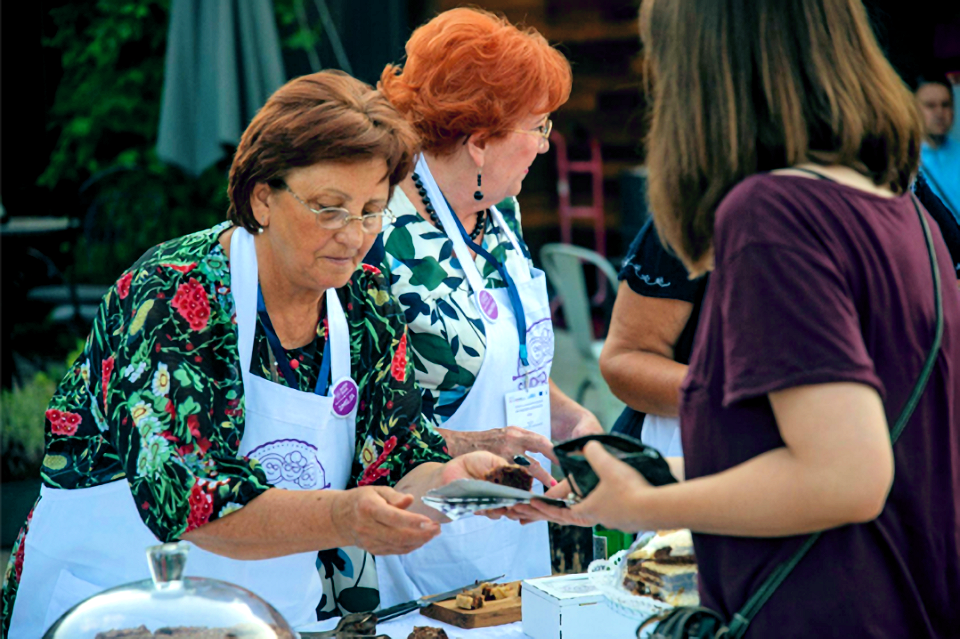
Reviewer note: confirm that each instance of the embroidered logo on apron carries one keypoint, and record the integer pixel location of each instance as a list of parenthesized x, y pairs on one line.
[(539, 353), (291, 464)]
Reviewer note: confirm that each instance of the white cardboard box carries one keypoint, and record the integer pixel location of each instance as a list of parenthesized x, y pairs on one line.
[(569, 607)]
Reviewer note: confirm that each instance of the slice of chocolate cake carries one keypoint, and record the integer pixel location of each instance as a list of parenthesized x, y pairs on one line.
[(665, 567), (510, 475)]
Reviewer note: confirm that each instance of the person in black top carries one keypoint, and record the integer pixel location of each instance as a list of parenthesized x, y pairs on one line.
[(648, 346)]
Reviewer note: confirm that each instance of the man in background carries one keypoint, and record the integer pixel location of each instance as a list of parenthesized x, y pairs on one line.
[(940, 155)]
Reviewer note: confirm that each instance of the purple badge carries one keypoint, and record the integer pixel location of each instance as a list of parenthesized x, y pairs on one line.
[(344, 397), (488, 305)]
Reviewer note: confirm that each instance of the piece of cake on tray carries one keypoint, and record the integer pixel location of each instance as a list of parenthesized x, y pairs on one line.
[(664, 568), (512, 475)]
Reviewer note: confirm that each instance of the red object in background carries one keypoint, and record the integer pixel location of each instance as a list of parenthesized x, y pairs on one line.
[(594, 211), (569, 212)]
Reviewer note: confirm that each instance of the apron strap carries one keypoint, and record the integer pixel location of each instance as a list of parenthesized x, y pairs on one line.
[(243, 274), (461, 241)]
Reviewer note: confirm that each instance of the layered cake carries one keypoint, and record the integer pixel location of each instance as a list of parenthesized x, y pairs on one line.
[(664, 568), (510, 475)]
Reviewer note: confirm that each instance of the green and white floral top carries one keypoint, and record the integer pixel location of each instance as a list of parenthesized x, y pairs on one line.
[(447, 337)]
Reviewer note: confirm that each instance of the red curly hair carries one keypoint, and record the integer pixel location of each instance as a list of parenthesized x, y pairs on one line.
[(471, 71)]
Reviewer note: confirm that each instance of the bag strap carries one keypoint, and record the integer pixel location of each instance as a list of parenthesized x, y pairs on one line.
[(741, 620)]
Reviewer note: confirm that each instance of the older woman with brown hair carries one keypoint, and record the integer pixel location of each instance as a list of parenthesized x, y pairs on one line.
[(246, 388), (781, 149), (479, 92)]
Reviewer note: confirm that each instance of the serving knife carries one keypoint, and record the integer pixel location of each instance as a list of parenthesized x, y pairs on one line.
[(422, 602)]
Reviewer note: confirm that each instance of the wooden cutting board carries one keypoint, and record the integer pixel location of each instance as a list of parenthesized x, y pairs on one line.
[(493, 613)]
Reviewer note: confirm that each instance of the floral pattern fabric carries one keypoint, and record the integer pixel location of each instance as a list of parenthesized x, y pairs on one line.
[(446, 332), (157, 398)]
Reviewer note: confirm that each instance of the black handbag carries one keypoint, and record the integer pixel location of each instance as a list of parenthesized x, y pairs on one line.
[(695, 622)]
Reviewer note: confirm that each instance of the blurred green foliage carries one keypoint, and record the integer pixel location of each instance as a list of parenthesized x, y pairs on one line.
[(293, 35), (22, 420), (112, 58), (21, 425), (106, 111)]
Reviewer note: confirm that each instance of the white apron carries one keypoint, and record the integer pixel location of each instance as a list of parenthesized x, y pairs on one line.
[(477, 547), (662, 433), (84, 541)]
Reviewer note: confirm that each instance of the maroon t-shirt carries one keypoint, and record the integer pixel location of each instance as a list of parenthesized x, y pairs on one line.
[(817, 282)]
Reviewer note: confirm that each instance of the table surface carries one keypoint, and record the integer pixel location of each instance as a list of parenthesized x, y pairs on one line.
[(400, 627), (37, 225)]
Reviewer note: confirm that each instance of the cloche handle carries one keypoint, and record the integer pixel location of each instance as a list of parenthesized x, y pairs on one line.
[(167, 562)]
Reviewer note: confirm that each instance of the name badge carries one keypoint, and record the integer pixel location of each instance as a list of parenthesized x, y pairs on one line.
[(529, 409), (345, 394), (487, 305)]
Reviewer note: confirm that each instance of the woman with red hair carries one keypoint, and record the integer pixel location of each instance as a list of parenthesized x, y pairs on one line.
[(479, 92)]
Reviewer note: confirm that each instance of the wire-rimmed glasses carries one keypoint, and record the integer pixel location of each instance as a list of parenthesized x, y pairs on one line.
[(334, 218), (543, 130)]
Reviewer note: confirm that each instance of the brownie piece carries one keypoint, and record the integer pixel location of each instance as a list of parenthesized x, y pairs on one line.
[(511, 475), (427, 632)]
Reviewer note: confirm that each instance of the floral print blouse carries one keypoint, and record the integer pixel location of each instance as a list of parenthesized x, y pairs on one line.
[(156, 396), (447, 337)]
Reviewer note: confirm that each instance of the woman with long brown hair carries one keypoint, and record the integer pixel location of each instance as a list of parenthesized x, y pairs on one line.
[(781, 148)]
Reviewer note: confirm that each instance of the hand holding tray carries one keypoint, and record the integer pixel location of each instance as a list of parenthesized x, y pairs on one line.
[(464, 497)]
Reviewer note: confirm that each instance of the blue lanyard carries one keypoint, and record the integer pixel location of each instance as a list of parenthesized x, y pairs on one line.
[(511, 285), (280, 355)]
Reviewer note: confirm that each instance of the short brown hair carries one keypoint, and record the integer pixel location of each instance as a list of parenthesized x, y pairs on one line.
[(756, 85), (471, 71), (322, 117)]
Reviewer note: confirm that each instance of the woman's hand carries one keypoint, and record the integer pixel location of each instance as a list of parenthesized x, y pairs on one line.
[(568, 419), (375, 518), (526, 513), (612, 503), (474, 465), (505, 442), (431, 475), (587, 425)]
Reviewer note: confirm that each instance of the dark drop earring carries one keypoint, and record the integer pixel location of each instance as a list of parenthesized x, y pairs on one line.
[(478, 195)]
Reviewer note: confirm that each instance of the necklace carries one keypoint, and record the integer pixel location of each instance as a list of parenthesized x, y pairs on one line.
[(481, 215)]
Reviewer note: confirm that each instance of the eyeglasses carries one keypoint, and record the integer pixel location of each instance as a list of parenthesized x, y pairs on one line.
[(335, 217), (543, 130)]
